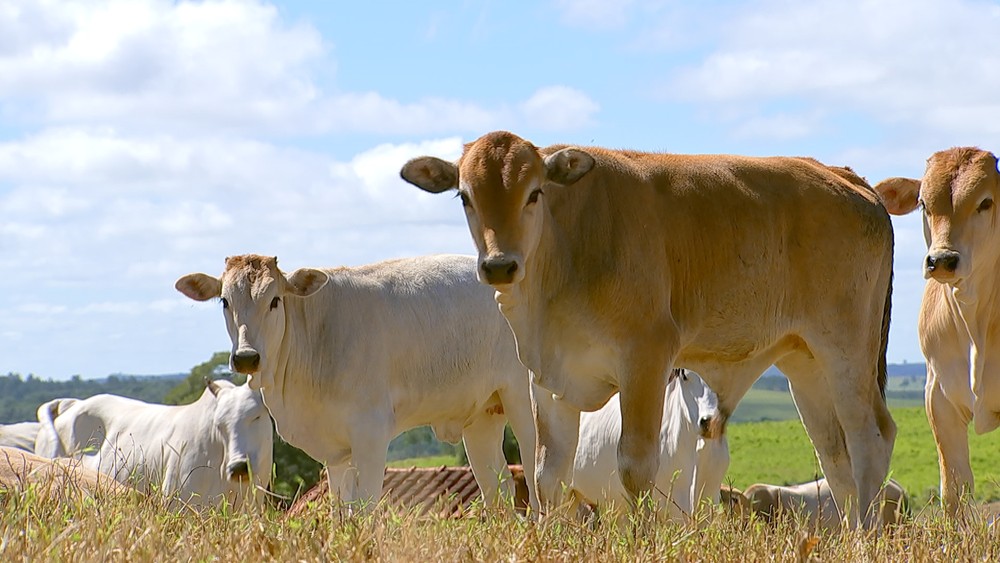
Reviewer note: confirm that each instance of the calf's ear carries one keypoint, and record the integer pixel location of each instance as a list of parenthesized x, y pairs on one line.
[(213, 386), (306, 281), (568, 165), (899, 195), (200, 287), (430, 174)]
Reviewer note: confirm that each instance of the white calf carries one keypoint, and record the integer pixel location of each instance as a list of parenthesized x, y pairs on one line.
[(814, 501), (20, 435), (689, 410), (202, 452)]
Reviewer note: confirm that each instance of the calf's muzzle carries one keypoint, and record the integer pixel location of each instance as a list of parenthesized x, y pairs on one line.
[(943, 261), (498, 270), (246, 361), (238, 471)]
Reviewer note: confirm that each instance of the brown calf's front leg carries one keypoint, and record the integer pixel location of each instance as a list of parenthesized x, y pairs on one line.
[(558, 427)]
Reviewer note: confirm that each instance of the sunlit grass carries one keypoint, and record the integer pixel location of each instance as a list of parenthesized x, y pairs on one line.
[(40, 527)]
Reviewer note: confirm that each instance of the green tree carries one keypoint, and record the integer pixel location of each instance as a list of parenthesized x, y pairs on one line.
[(191, 388), (20, 396)]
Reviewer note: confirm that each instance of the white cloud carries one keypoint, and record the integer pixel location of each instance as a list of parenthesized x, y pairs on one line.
[(930, 65), (782, 126), (96, 252), (559, 108), (234, 66), (125, 197), (378, 168), (372, 112), (158, 58)]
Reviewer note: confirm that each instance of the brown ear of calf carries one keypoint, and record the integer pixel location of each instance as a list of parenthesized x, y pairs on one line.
[(734, 501), (762, 501), (430, 174)]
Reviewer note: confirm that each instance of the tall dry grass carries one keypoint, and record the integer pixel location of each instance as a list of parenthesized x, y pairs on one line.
[(41, 524)]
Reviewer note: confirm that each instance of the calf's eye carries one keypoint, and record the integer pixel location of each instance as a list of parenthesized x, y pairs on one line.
[(533, 197), (225, 304), (465, 199), (274, 303), (986, 205)]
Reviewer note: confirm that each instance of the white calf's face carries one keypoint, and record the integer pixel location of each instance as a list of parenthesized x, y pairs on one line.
[(252, 291), (253, 306), (708, 404), (242, 420), (700, 403)]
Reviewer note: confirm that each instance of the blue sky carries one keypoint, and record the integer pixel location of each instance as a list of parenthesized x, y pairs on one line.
[(143, 140)]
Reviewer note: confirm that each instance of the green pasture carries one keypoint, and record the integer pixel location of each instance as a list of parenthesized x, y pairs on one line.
[(429, 461), (779, 452), (767, 404)]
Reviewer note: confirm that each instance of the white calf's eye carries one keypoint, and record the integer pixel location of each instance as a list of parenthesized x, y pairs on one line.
[(225, 304), (274, 303)]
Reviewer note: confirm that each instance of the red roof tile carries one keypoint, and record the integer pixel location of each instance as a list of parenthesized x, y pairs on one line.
[(447, 492)]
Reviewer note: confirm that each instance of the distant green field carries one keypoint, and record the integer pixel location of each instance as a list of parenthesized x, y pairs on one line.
[(431, 461), (780, 453), (765, 404)]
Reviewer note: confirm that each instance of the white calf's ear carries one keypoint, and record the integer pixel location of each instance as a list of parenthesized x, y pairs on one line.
[(200, 287), (430, 174), (568, 165), (306, 281), (213, 386), (899, 195)]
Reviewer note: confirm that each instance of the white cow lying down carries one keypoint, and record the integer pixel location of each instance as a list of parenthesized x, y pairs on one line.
[(691, 467), (348, 358), (20, 435), (814, 501), (201, 452)]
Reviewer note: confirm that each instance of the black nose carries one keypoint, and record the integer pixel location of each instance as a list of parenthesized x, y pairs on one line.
[(498, 270), (705, 424), (239, 471), (947, 261), (246, 361)]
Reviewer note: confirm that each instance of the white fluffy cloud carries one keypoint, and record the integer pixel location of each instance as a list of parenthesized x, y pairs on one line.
[(926, 64), (130, 196), (558, 108), (222, 61), (97, 225), (234, 66), (926, 68)]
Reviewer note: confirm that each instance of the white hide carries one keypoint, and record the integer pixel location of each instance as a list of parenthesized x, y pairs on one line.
[(200, 452), (814, 501), (351, 357), (688, 400), (20, 435)]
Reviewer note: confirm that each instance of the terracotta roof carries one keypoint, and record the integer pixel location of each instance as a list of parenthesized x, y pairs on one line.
[(447, 492)]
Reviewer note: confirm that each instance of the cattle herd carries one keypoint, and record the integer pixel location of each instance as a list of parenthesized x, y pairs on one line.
[(620, 306)]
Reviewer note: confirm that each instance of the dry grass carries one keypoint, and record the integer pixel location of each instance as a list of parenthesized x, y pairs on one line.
[(39, 525)]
